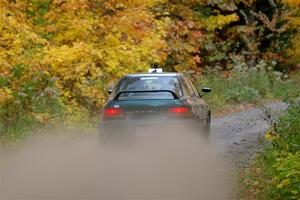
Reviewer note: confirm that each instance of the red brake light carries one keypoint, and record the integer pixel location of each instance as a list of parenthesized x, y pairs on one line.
[(112, 112), (179, 110)]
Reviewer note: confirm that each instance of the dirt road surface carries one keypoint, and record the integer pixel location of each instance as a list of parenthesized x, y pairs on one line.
[(64, 166), (240, 135)]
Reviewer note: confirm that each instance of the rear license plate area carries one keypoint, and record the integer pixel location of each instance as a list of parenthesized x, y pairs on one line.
[(143, 132)]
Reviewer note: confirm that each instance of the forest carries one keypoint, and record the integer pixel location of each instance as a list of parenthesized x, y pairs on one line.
[(57, 57)]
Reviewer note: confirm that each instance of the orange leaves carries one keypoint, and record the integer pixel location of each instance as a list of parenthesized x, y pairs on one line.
[(197, 34), (197, 59), (51, 15)]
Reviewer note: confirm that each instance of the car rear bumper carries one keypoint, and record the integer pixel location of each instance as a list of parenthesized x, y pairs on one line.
[(140, 127)]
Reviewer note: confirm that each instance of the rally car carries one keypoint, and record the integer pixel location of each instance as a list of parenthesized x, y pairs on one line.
[(152, 104)]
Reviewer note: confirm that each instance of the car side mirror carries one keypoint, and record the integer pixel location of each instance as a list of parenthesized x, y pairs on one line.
[(110, 89), (205, 91)]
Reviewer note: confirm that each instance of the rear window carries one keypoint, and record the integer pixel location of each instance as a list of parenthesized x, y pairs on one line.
[(147, 83), (146, 95)]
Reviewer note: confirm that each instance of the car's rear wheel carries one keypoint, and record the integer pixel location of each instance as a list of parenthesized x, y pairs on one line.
[(206, 127)]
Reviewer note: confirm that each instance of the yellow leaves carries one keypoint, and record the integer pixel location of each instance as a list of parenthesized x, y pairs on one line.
[(125, 4), (219, 21), (283, 183), (63, 55), (136, 23), (5, 95), (293, 23), (68, 56), (12, 25), (86, 44), (73, 63), (294, 52), (83, 44), (77, 71), (292, 2), (133, 45), (70, 30), (270, 134), (16, 36)]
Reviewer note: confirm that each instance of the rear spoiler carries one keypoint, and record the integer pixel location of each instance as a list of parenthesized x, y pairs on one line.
[(116, 97)]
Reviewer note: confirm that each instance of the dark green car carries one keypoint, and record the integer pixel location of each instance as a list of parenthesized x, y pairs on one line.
[(153, 104)]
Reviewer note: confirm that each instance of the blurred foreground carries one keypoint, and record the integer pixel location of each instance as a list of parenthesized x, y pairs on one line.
[(175, 166)]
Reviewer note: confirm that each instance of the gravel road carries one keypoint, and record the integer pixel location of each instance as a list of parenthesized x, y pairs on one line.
[(241, 134)]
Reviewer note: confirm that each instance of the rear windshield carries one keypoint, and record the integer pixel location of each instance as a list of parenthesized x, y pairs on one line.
[(147, 84), (146, 95)]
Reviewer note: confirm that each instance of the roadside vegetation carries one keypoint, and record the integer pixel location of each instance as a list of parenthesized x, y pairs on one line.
[(275, 173), (248, 86)]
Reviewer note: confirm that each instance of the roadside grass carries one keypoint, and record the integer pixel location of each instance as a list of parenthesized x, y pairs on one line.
[(275, 173), (247, 86), (17, 123), (32, 99)]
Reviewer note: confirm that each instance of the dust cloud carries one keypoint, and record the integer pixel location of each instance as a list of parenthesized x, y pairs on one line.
[(176, 166)]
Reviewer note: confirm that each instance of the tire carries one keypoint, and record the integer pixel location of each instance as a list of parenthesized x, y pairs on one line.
[(206, 129)]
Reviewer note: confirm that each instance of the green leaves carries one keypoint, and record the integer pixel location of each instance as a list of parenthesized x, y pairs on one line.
[(279, 174), (18, 70), (288, 176)]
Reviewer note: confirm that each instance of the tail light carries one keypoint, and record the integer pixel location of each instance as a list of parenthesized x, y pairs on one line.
[(179, 110), (112, 112)]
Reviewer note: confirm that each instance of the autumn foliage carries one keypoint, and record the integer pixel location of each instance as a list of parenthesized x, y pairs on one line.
[(57, 56)]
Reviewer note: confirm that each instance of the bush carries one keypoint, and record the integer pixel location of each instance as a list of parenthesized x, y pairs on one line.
[(275, 173), (30, 99), (244, 85)]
